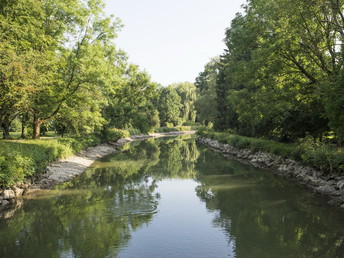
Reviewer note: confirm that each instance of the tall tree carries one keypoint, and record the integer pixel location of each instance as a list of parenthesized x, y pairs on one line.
[(131, 105), (65, 52), (18, 54), (205, 83), (83, 61), (278, 73), (169, 106), (188, 95)]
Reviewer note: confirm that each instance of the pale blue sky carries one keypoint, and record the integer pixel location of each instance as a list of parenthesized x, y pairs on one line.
[(173, 39)]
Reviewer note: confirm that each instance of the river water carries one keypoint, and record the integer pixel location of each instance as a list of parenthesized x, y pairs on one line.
[(173, 198)]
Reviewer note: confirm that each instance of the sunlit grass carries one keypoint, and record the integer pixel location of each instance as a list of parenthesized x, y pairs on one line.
[(20, 159), (49, 134)]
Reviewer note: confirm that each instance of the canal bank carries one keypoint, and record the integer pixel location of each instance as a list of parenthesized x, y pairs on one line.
[(175, 197), (66, 169), (330, 185)]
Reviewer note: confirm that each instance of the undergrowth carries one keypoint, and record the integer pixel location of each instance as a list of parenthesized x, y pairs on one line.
[(323, 156), (21, 159)]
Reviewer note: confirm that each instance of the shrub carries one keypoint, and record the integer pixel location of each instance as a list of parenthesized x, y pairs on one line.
[(191, 123), (204, 131), (134, 131), (21, 159), (165, 129), (113, 134), (320, 155), (14, 168), (170, 125)]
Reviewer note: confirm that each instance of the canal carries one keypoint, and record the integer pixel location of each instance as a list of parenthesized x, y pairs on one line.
[(173, 198)]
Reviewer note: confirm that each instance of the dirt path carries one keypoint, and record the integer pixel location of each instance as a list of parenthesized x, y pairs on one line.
[(65, 169)]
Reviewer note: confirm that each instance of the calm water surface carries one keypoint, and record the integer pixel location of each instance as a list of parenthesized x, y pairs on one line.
[(173, 198)]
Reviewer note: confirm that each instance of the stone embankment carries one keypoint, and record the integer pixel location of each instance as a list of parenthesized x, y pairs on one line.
[(66, 169), (330, 185)]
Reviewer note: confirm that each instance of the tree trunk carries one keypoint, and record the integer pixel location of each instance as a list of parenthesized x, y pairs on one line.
[(6, 130), (5, 124), (36, 127), (63, 130), (23, 136), (23, 125)]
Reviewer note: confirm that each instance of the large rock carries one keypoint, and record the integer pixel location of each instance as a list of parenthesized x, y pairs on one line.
[(4, 204), (338, 201), (9, 194), (18, 191), (325, 189), (340, 184)]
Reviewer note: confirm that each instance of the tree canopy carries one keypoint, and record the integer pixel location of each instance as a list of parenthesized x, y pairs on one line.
[(281, 73), (59, 66)]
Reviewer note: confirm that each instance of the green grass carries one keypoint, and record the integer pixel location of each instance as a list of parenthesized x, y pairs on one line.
[(255, 144), (323, 156), (176, 129), (20, 159), (49, 134)]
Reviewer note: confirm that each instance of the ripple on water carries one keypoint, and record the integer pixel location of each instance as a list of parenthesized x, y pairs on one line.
[(130, 208)]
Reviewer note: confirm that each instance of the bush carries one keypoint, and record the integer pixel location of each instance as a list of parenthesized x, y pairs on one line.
[(190, 123), (21, 159), (114, 134), (177, 128), (204, 131), (166, 129), (14, 168), (134, 131), (320, 155)]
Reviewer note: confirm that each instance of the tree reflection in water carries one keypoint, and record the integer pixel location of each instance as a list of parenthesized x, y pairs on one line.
[(96, 214), (266, 215)]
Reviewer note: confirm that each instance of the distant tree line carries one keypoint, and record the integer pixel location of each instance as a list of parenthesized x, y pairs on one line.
[(60, 68), (281, 75)]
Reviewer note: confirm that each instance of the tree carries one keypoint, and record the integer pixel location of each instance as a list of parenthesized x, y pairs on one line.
[(206, 86), (18, 22), (131, 105), (169, 106), (188, 95), (280, 63), (53, 53), (83, 63)]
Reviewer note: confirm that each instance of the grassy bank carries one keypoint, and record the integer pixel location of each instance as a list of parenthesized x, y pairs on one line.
[(323, 156), (21, 159), (176, 129)]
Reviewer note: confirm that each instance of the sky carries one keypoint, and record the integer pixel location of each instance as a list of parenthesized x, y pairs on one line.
[(173, 39)]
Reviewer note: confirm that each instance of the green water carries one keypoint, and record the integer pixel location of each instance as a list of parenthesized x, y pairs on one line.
[(173, 198)]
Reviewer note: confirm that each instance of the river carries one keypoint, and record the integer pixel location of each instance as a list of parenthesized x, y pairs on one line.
[(173, 198)]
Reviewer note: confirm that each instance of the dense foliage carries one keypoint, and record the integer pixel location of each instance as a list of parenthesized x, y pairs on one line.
[(176, 104), (280, 77), (324, 157), (60, 70), (281, 74)]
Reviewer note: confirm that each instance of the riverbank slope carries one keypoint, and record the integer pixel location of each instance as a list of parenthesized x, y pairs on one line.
[(330, 185), (66, 169)]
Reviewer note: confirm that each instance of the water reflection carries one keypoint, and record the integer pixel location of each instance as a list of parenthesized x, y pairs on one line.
[(267, 216), (127, 205)]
